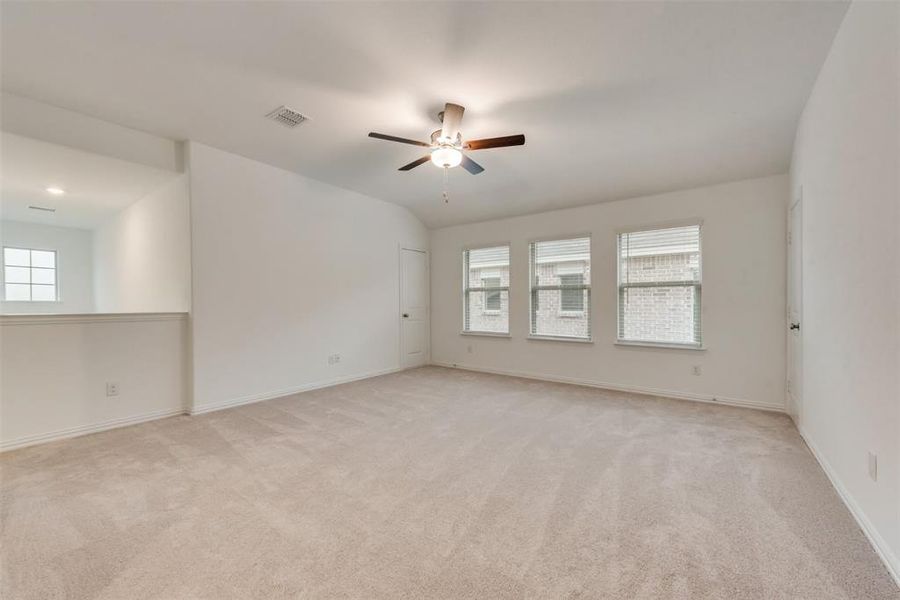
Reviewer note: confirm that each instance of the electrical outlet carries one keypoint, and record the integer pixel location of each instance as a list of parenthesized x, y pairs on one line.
[(698, 370), (469, 348), (334, 359), (112, 388), (337, 358), (873, 466)]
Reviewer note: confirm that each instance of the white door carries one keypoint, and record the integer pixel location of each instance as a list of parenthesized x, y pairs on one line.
[(413, 307), (795, 308)]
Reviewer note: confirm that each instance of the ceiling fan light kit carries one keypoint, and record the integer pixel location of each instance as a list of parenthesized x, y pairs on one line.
[(446, 157)]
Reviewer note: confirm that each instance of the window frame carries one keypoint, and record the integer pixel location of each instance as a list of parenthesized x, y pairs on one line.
[(55, 269), (466, 290), (533, 301), (697, 285)]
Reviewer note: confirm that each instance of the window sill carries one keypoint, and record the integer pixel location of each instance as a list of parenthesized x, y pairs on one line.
[(560, 338), (662, 345), (570, 314), (485, 334), (490, 313)]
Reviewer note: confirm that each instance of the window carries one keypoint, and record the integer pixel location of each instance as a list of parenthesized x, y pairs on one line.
[(561, 288), (659, 286), (572, 299), (486, 290), (492, 301), (29, 275)]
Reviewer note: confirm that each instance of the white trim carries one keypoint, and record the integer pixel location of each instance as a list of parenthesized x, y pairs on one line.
[(477, 246), (559, 338), (61, 434), (739, 402), (878, 543), (673, 224), (496, 334), (562, 237), (70, 432), (665, 345), (253, 398), (55, 319)]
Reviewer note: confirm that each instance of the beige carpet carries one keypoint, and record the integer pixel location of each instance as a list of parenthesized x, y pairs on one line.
[(435, 483)]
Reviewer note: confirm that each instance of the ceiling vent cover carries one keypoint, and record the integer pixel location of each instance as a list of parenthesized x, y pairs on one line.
[(287, 116)]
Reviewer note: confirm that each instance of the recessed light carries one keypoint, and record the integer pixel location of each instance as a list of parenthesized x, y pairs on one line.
[(56, 191)]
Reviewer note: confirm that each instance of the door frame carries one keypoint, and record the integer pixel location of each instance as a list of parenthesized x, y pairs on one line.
[(794, 386), (413, 248)]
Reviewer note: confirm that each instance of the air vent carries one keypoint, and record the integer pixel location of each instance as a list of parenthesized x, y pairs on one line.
[(287, 116), (43, 208)]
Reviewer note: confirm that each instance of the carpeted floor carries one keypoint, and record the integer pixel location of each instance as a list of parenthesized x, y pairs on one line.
[(435, 483)]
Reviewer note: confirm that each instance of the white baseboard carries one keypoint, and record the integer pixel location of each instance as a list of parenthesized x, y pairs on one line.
[(878, 543), (622, 388), (250, 399), (61, 434)]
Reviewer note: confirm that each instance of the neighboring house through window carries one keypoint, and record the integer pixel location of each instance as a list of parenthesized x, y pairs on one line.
[(486, 290), (659, 286), (572, 294), (29, 275), (561, 288), (491, 283)]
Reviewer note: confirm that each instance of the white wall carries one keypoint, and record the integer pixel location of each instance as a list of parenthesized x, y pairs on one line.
[(54, 370), (74, 265), (142, 255), (743, 297), (847, 160), (287, 270)]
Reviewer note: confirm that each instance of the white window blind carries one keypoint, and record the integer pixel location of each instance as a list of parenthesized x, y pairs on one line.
[(29, 275), (659, 286), (486, 290), (561, 288)]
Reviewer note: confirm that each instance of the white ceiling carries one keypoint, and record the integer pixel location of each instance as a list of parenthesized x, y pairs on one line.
[(96, 186), (616, 99)]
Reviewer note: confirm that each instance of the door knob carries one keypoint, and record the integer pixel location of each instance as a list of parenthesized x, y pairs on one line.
[(405, 315), (795, 326)]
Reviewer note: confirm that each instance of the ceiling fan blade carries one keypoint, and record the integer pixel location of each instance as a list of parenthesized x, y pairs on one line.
[(415, 163), (497, 142), (393, 138), (470, 165), (453, 114)]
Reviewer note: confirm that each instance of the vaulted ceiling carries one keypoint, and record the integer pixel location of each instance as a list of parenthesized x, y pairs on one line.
[(616, 99)]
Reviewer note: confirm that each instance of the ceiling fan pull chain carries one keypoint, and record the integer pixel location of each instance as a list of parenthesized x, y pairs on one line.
[(446, 194)]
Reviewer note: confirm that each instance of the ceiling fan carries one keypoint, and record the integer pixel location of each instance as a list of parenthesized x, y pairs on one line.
[(446, 147)]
